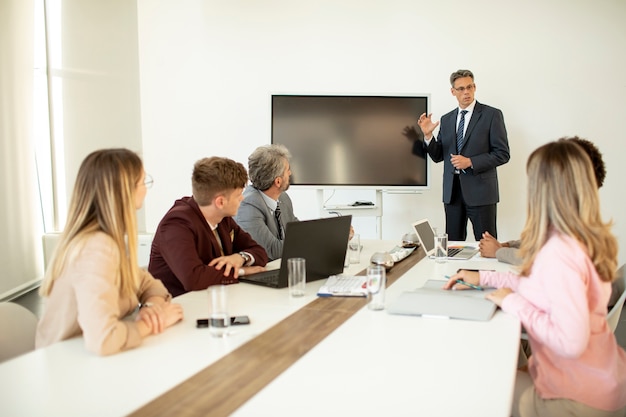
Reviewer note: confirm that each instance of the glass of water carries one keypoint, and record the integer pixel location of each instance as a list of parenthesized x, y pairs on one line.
[(297, 276), (219, 320), (376, 283), (441, 247)]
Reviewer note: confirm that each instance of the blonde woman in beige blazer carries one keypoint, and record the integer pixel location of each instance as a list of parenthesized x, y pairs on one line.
[(94, 282)]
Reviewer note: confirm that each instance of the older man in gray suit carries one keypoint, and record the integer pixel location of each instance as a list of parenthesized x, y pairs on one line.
[(472, 142), (266, 208)]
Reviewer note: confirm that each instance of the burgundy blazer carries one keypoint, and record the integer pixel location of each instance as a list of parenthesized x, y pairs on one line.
[(184, 244)]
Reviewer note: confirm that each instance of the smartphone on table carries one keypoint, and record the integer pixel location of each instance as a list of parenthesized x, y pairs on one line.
[(234, 321)]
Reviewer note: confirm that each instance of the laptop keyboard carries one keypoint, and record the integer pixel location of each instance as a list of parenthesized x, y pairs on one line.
[(453, 251), (344, 285), (267, 276)]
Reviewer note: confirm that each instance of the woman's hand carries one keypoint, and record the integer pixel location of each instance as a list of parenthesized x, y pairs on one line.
[(489, 245), (498, 295), (159, 316), (471, 277)]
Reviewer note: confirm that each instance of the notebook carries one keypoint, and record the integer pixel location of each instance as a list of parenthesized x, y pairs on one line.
[(426, 236), (432, 301), (344, 286), (322, 242)]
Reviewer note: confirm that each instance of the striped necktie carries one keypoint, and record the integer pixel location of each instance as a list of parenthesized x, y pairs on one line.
[(459, 133), (280, 227)]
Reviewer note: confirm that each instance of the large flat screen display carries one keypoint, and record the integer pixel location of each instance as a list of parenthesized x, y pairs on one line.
[(351, 141)]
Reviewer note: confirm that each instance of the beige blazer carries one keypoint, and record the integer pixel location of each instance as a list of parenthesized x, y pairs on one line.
[(84, 300)]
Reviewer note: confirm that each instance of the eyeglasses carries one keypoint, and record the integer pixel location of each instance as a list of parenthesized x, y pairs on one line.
[(462, 89), (148, 181)]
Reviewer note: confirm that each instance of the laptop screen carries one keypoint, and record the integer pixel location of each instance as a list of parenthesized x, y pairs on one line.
[(321, 242), (426, 235)]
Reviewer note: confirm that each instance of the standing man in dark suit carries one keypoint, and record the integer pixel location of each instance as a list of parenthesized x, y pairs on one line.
[(472, 142)]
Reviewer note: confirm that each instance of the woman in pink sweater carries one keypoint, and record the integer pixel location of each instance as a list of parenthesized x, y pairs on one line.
[(560, 296), (94, 281)]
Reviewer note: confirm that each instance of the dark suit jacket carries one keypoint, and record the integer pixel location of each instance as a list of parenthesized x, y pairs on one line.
[(256, 218), (184, 244), (485, 143)]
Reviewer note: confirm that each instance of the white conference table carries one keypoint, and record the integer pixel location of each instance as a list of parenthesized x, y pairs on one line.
[(66, 380), (410, 364), (378, 364)]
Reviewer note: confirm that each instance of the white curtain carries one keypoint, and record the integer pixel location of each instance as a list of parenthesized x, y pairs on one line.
[(93, 63), (93, 72), (20, 213)]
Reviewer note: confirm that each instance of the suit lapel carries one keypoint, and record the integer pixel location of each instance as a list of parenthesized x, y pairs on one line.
[(452, 127), (476, 115)]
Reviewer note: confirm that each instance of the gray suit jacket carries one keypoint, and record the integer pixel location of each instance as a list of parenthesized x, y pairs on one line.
[(256, 218), (510, 254), (485, 143)]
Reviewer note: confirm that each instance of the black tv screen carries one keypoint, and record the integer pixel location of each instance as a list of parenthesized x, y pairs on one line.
[(351, 141)]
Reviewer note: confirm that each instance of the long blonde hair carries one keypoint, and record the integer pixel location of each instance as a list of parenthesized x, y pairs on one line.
[(103, 200), (563, 196)]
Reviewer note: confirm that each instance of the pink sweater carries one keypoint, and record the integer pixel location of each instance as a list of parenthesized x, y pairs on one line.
[(563, 306)]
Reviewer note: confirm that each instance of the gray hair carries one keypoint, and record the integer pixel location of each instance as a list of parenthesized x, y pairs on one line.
[(266, 164), (460, 74)]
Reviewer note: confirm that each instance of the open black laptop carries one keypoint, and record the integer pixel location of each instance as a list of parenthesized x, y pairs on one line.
[(322, 242)]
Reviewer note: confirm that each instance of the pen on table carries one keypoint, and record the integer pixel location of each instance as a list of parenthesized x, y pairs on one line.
[(460, 281), (475, 270)]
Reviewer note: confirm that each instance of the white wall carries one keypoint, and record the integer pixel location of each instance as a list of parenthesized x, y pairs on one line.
[(208, 68)]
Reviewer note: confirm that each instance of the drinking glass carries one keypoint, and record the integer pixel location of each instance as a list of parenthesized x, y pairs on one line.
[(441, 248), (219, 320), (297, 276), (354, 249), (376, 282)]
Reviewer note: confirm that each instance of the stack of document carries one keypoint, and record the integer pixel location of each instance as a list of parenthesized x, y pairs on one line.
[(344, 286)]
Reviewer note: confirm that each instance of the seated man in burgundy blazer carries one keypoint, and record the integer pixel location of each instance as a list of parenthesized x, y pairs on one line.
[(198, 244)]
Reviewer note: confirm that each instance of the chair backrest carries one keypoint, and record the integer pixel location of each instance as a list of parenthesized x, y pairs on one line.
[(618, 296), (17, 330)]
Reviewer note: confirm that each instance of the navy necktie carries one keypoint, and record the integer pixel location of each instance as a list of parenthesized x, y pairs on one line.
[(280, 227), (459, 133)]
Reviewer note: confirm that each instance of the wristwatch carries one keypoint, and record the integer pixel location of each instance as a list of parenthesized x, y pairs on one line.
[(246, 258)]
